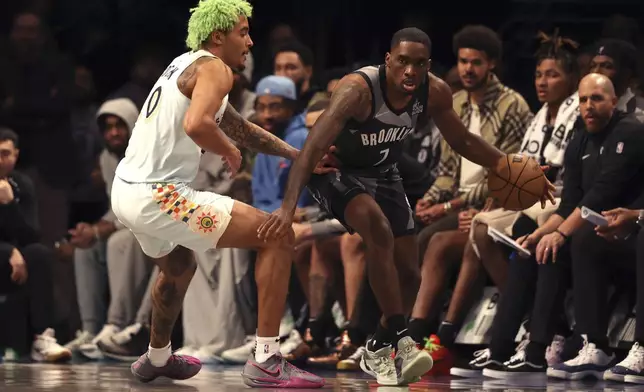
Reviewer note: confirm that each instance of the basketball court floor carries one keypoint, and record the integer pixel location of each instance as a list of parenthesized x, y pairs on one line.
[(99, 377)]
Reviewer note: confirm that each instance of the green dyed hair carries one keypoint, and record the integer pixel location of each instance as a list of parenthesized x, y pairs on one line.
[(214, 15)]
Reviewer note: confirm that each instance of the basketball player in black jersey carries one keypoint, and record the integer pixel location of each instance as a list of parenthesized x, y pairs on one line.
[(372, 110)]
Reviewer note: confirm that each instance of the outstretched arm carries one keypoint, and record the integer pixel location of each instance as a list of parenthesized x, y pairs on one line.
[(350, 99), (466, 144), (253, 137)]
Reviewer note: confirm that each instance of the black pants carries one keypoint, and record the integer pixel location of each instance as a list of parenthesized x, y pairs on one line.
[(595, 262), (38, 290), (530, 285)]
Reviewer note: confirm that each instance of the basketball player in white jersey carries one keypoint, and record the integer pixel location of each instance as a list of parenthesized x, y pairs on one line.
[(185, 113)]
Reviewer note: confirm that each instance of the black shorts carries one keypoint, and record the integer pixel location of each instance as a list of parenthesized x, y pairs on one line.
[(334, 191)]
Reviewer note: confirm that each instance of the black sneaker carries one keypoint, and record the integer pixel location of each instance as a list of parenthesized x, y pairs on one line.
[(127, 345), (519, 367), (482, 360)]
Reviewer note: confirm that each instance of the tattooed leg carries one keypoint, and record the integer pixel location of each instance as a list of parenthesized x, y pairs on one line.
[(177, 269)]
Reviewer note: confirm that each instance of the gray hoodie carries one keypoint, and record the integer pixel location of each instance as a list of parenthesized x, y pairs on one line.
[(125, 109)]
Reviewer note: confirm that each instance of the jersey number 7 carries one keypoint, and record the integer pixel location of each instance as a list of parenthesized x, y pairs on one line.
[(385, 154)]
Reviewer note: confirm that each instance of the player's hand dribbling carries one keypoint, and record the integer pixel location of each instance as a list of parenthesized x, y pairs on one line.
[(276, 225), (232, 160), (548, 192)]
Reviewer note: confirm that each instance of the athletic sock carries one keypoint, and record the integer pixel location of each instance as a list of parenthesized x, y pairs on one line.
[(358, 338), (318, 328), (379, 339), (397, 326), (419, 330), (266, 348), (159, 356), (447, 333)]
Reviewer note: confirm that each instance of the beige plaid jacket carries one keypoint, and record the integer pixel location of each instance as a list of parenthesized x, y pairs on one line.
[(505, 116)]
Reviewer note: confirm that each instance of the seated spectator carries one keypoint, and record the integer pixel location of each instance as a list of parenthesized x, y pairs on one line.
[(623, 224), (295, 61), (25, 265), (619, 182), (556, 78), (497, 113), (589, 180), (107, 258), (500, 116), (617, 60)]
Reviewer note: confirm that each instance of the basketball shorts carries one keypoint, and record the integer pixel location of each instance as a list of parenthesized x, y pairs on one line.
[(334, 191), (164, 215)]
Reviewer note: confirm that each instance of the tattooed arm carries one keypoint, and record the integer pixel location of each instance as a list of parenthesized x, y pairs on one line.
[(465, 143), (253, 137), (350, 100), (206, 83)]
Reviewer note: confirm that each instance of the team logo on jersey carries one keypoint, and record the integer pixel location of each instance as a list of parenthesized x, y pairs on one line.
[(417, 108), (206, 222), (620, 147)]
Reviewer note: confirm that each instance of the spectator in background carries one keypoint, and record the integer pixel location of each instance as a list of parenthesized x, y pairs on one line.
[(453, 79), (107, 254), (148, 66), (622, 228), (25, 265), (556, 79), (87, 199), (276, 112), (617, 60), (488, 108), (35, 101), (295, 61)]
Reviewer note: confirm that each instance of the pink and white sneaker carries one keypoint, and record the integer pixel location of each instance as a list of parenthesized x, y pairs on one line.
[(276, 372)]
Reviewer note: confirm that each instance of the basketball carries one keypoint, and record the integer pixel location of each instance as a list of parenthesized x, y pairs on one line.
[(518, 182)]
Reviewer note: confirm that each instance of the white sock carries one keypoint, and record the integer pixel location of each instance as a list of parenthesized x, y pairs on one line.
[(159, 356), (266, 348)]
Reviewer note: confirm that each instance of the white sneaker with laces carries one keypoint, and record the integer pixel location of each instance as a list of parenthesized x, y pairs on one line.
[(591, 362), (82, 337), (91, 350), (380, 365), (411, 362), (240, 354), (290, 344), (45, 348), (631, 369), (125, 335)]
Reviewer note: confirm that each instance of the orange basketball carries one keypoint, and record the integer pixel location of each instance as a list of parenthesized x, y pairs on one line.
[(518, 182)]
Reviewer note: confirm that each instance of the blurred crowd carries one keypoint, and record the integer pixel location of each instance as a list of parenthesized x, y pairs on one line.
[(74, 281)]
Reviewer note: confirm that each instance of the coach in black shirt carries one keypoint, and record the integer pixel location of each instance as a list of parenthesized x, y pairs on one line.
[(604, 170)]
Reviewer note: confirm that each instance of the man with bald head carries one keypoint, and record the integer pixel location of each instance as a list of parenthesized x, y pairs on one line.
[(604, 169)]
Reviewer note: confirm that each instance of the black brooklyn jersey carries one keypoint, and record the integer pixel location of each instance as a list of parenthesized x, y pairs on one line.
[(378, 140)]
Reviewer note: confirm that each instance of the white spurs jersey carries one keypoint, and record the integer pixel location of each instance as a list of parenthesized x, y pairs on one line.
[(159, 149)]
